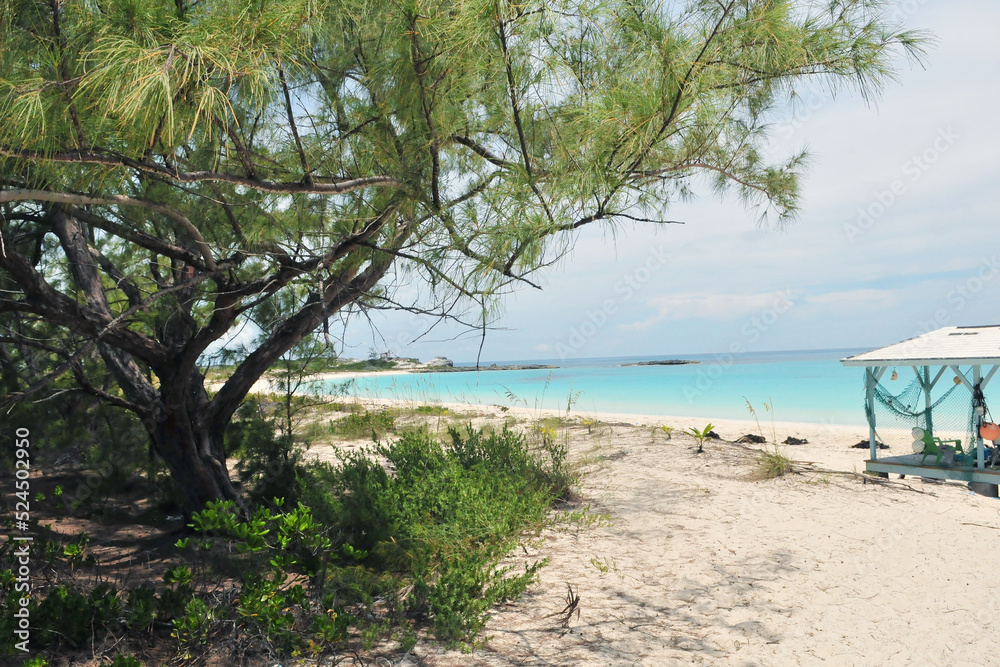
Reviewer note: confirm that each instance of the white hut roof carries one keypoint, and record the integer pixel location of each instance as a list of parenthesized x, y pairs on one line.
[(966, 346)]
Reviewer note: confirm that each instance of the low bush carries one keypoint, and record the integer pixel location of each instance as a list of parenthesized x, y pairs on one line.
[(412, 532), (274, 466), (449, 514), (432, 410), (358, 425)]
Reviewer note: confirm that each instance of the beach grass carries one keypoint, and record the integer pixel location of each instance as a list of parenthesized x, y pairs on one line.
[(771, 464)]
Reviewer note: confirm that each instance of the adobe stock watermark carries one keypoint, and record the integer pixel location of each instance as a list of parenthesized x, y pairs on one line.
[(22, 553), (751, 331), (626, 288), (913, 169), (906, 8)]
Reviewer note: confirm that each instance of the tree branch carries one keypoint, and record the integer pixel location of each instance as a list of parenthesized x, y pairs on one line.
[(318, 186), (113, 200), (122, 365), (337, 295), (276, 281), (123, 282), (483, 152), (698, 165), (306, 172), (515, 110), (142, 239), (54, 306), (681, 89)]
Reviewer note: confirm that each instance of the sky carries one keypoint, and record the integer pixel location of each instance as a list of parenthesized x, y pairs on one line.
[(897, 235)]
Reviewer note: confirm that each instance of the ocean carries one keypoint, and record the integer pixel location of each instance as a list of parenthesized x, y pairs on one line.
[(801, 386)]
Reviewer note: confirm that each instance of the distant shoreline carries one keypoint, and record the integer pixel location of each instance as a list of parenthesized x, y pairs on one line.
[(491, 367), (662, 362)]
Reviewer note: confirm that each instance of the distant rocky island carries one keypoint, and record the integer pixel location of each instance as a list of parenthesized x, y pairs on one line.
[(443, 365), (387, 363), (663, 362)]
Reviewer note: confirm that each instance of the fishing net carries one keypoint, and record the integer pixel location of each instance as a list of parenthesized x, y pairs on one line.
[(946, 411)]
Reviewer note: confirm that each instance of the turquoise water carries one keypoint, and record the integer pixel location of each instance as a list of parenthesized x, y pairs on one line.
[(801, 386)]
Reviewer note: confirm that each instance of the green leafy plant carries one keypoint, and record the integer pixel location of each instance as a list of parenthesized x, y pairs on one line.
[(172, 601), (76, 554), (140, 608), (191, 628), (664, 429), (450, 513), (437, 410), (331, 626), (71, 616), (365, 424), (273, 546), (265, 605), (700, 436)]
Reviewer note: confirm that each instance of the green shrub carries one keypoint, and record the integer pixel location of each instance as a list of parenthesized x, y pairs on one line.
[(70, 616), (507, 453), (272, 547), (466, 584), (358, 425), (273, 466), (268, 463), (140, 609), (172, 602), (450, 514), (346, 407), (191, 628), (431, 410), (331, 626), (266, 609), (435, 520), (411, 530)]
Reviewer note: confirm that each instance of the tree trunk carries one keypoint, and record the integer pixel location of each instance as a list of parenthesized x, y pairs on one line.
[(193, 457), (192, 447)]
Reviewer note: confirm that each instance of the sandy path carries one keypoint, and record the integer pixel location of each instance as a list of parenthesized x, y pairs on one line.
[(708, 567)]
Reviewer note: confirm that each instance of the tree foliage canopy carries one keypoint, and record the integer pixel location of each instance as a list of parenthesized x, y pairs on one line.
[(168, 170)]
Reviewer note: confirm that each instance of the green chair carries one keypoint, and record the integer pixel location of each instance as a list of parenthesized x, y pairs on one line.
[(926, 444)]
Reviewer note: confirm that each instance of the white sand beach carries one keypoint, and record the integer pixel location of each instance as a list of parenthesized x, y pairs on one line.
[(700, 564)]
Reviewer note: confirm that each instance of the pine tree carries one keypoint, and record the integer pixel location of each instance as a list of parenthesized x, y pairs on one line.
[(170, 170)]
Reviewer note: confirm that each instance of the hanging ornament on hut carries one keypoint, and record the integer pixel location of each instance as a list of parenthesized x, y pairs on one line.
[(895, 375)]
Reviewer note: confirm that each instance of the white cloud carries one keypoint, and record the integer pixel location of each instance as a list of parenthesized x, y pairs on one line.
[(854, 298), (722, 307)]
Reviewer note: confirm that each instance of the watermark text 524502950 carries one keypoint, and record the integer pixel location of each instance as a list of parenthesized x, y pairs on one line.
[(22, 553)]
